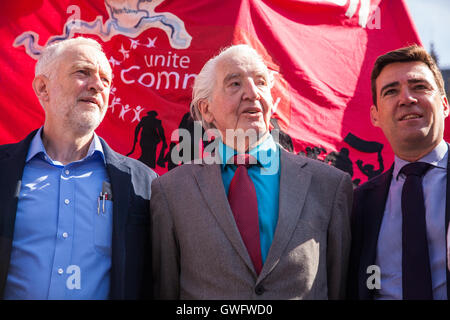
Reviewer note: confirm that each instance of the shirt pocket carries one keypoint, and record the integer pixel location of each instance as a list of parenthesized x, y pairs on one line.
[(103, 229)]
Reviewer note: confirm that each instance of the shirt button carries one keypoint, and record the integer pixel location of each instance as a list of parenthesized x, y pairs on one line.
[(65, 235), (66, 201), (67, 172), (60, 271)]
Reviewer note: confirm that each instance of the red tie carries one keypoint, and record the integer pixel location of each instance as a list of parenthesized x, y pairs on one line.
[(244, 205)]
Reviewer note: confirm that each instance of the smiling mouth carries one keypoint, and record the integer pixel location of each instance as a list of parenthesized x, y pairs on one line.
[(89, 101), (410, 117), (252, 111)]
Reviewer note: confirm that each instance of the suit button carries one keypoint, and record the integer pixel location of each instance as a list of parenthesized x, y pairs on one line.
[(259, 290)]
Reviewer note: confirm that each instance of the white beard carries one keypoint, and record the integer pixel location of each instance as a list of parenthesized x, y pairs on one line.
[(84, 121)]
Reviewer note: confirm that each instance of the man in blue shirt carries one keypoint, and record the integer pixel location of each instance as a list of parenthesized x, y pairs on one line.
[(204, 241), (410, 107), (74, 219)]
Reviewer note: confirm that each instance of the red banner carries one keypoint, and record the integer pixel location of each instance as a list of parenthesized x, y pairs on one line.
[(321, 53)]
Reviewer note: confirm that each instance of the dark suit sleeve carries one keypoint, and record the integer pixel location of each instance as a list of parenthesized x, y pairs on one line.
[(355, 251), (339, 237), (165, 249)]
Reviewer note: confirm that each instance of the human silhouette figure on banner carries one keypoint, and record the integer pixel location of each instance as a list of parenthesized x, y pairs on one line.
[(340, 160), (187, 123), (368, 169), (313, 153), (367, 147), (168, 158), (152, 134), (283, 138)]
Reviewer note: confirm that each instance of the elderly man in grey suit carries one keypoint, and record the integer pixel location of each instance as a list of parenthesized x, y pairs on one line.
[(272, 226)]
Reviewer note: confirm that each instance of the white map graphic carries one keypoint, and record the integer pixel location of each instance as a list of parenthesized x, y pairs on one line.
[(364, 9), (126, 17)]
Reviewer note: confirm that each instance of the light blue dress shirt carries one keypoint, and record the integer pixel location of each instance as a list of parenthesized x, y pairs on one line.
[(62, 246), (389, 249), (266, 178)]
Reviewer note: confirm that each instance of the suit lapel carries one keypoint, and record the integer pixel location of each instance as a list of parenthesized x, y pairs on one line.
[(12, 163), (11, 171), (376, 197), (447, 220), (294, 185), (119, 175), (210, 183)]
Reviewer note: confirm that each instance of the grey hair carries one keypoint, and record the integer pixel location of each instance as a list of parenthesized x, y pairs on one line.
[(52, 52), (205, 81)]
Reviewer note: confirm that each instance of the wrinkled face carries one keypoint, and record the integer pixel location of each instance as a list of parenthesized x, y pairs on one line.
[(78, 89), (241, 98), (411, 110)]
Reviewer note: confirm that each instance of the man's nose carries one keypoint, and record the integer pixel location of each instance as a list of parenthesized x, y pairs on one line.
[(251, 90), (407, 97), (96, 83)]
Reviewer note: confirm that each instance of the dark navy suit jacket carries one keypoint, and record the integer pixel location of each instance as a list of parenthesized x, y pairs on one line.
[(369, 201), (131, 186)]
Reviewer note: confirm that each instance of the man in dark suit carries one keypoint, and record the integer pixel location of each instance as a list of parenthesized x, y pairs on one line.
[(400, 218), (275, 228), (74, 219)]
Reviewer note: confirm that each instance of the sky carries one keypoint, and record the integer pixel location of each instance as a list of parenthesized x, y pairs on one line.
[(432, 20)]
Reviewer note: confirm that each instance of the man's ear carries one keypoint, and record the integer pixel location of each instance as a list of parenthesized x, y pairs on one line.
[(205, 110), (445, 105), (40, 87), (374, 115)]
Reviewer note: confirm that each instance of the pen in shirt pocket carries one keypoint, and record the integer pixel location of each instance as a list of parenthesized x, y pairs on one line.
[(105, 194)]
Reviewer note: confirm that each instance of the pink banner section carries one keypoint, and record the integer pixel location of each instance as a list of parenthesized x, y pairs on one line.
[(320, 52)]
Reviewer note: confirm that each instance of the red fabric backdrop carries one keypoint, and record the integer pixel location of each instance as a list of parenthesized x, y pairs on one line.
[(321, 53)]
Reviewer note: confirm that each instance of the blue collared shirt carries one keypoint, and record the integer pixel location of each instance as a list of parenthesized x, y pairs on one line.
[(389, 249), (266, 178), (61, 247)]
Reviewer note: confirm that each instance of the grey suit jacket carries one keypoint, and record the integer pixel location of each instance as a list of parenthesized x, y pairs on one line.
[(198, 252)]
